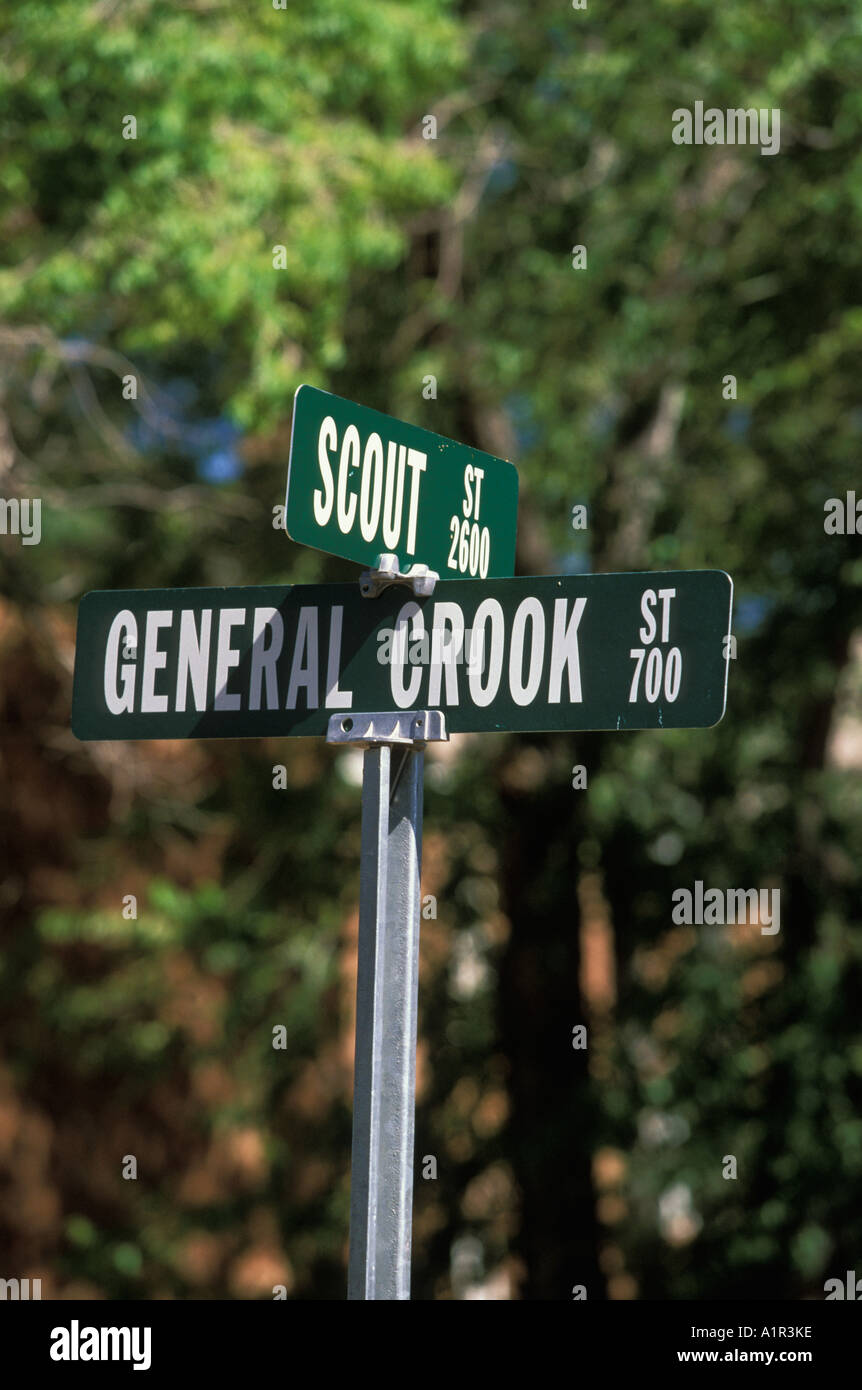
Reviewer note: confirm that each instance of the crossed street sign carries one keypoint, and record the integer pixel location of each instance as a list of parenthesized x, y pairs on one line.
[(389, 671)]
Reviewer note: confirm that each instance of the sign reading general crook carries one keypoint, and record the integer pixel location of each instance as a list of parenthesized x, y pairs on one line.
[(362, 484), (592, 651)]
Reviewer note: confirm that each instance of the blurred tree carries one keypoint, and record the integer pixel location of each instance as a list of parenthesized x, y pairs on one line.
[(403, 258), (190, 195), (701, 262)]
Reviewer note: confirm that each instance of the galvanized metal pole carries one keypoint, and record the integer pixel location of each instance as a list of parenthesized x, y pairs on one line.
[(381, 1198)]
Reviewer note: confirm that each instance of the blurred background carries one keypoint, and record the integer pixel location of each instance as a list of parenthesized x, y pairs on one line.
[(442, 249)]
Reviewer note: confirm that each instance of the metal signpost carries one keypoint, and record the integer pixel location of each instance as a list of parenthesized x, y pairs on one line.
[(390, 671), (387, 988)]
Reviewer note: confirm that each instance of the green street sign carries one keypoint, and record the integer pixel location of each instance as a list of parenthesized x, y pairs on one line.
[(595, 651), (361, 484)]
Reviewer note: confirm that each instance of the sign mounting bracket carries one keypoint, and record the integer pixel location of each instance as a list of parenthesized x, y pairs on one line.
[(414, 728), (419, 578)]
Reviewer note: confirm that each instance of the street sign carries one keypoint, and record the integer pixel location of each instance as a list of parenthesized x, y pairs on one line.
[(361, 484), (595, 651)]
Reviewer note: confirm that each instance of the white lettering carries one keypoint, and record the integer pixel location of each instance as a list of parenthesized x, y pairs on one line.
[(447, 640), (648, 599), (193, 658), (154, 660), (124, 624), (391, 510), (369, 520), (349, 451), (564, 651), (305, 676), (335, 698), (489, 610), (665, 595), (467, 504), (405, 695), (530, 609), (226, 657), (418, 462), (326, 440), (263, 658)]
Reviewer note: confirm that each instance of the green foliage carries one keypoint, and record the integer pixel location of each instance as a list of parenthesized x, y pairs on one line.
[(255, 128), (404, 257)]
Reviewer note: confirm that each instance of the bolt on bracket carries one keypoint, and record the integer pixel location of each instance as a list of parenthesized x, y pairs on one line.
[(419, 578), (412, 727)]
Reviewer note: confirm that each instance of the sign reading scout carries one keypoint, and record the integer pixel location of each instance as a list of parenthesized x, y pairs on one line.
[(361, 484)]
